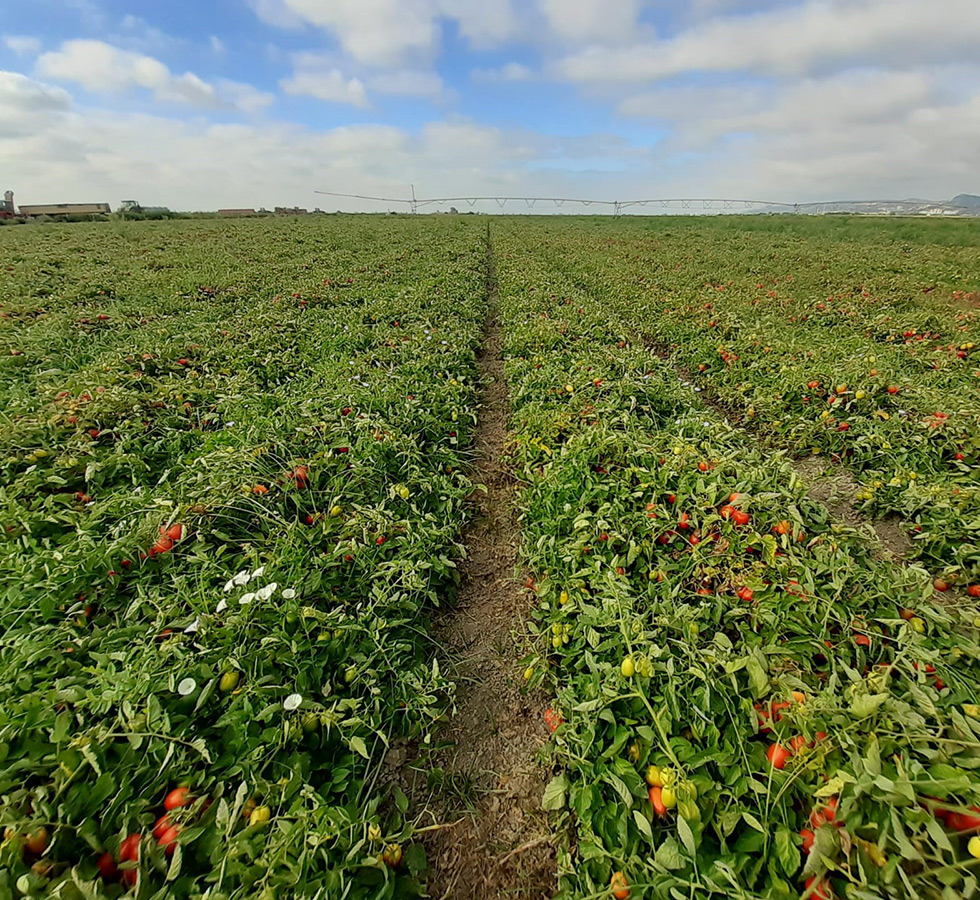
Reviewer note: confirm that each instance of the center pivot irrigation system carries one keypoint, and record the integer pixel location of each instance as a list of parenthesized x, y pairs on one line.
[(618, 206)]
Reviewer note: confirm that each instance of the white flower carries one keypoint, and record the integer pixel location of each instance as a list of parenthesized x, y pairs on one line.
[(266, 592), (292, 702), (288, 594), (259, 572), (246, 598), (190, 629), (222, 606), (186, 687)]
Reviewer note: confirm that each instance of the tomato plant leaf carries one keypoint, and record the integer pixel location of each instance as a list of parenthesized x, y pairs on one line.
[(554, 794)]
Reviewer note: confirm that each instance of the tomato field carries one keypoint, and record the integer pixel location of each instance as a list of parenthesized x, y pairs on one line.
[(238, 466)]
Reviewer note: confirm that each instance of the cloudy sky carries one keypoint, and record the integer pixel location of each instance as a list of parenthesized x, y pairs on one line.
[(197, 104)]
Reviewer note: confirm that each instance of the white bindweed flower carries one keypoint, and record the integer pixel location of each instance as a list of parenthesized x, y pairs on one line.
[(186, 687), (259, 572), (266, 592), (292, 702), (246, 598), (222, 606), (288, 594), (190, 629)]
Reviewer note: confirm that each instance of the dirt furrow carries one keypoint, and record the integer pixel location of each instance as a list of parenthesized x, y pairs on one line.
[(485, 784)]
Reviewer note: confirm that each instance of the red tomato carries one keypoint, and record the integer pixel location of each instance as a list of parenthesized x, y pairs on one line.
[(974, 590), (820, 890), (107, 867), (797, 743), (175, 532), (862, 640), (824, 815), (964, 821), (129, 849), (656, 800), (168, 840), (940, 585), (745, 594), (552, 720), (808, 837), (727, 511), (740, 518), (162, 824), (777, 756), (178, 797), (892, 389)]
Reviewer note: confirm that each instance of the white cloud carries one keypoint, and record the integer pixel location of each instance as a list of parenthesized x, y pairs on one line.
[(25, 103), (512, 71), (217, 45), (592, 21), (103, 68), (392, 32), (807, 37), (322, 76), (315, 77), (22, 45), (408, 83)]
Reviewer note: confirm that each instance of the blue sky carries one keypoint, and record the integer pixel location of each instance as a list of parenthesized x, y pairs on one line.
[(207, 103)]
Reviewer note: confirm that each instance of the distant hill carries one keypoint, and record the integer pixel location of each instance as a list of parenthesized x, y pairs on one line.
[(960, 205), (969, 201)]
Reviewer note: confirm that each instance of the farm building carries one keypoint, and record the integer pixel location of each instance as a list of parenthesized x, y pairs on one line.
[(65, 209), (236, 212)]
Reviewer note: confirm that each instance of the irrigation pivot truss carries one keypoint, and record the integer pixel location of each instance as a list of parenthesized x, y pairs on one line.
[(618, 206)]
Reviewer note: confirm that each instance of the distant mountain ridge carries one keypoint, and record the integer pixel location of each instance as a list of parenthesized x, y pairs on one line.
[(960, 205)]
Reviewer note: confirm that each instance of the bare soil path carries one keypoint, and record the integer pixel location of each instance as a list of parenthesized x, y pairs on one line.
[(496, 842)]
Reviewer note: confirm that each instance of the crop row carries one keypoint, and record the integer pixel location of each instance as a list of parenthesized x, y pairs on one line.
[(233, 486), (748, 701), (865, 350)]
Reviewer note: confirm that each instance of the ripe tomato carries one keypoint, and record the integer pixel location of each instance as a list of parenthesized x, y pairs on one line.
[(823, 815), (552, 720), (656, 800), (862, 640), (808, 837), (178, 797), (777, 756), (974, 590), (727, 511), (892, 389), (818, 890), (161, 825), (740, 518), (906, 614), (940, 585), (175, 532), (168, 840), (107, 867), (964, 821), (745, 594), (619, 886), (782, 527)]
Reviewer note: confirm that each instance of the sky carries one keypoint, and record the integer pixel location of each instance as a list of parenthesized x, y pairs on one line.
[(201, 104)]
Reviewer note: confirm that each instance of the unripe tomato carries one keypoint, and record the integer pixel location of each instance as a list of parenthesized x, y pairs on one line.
[(619, 886), (668, 797), (229, 681), (374, 834), (260, 815), (37, 842), (653, 776), (392, 856), (627, 667), (974, 846)]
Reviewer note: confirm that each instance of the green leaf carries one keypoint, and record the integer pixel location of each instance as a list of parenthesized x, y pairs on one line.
[(668, 855), (356, 743), (687, 837), (758, 680), (644, 825), (554, 793), (787, 852)]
